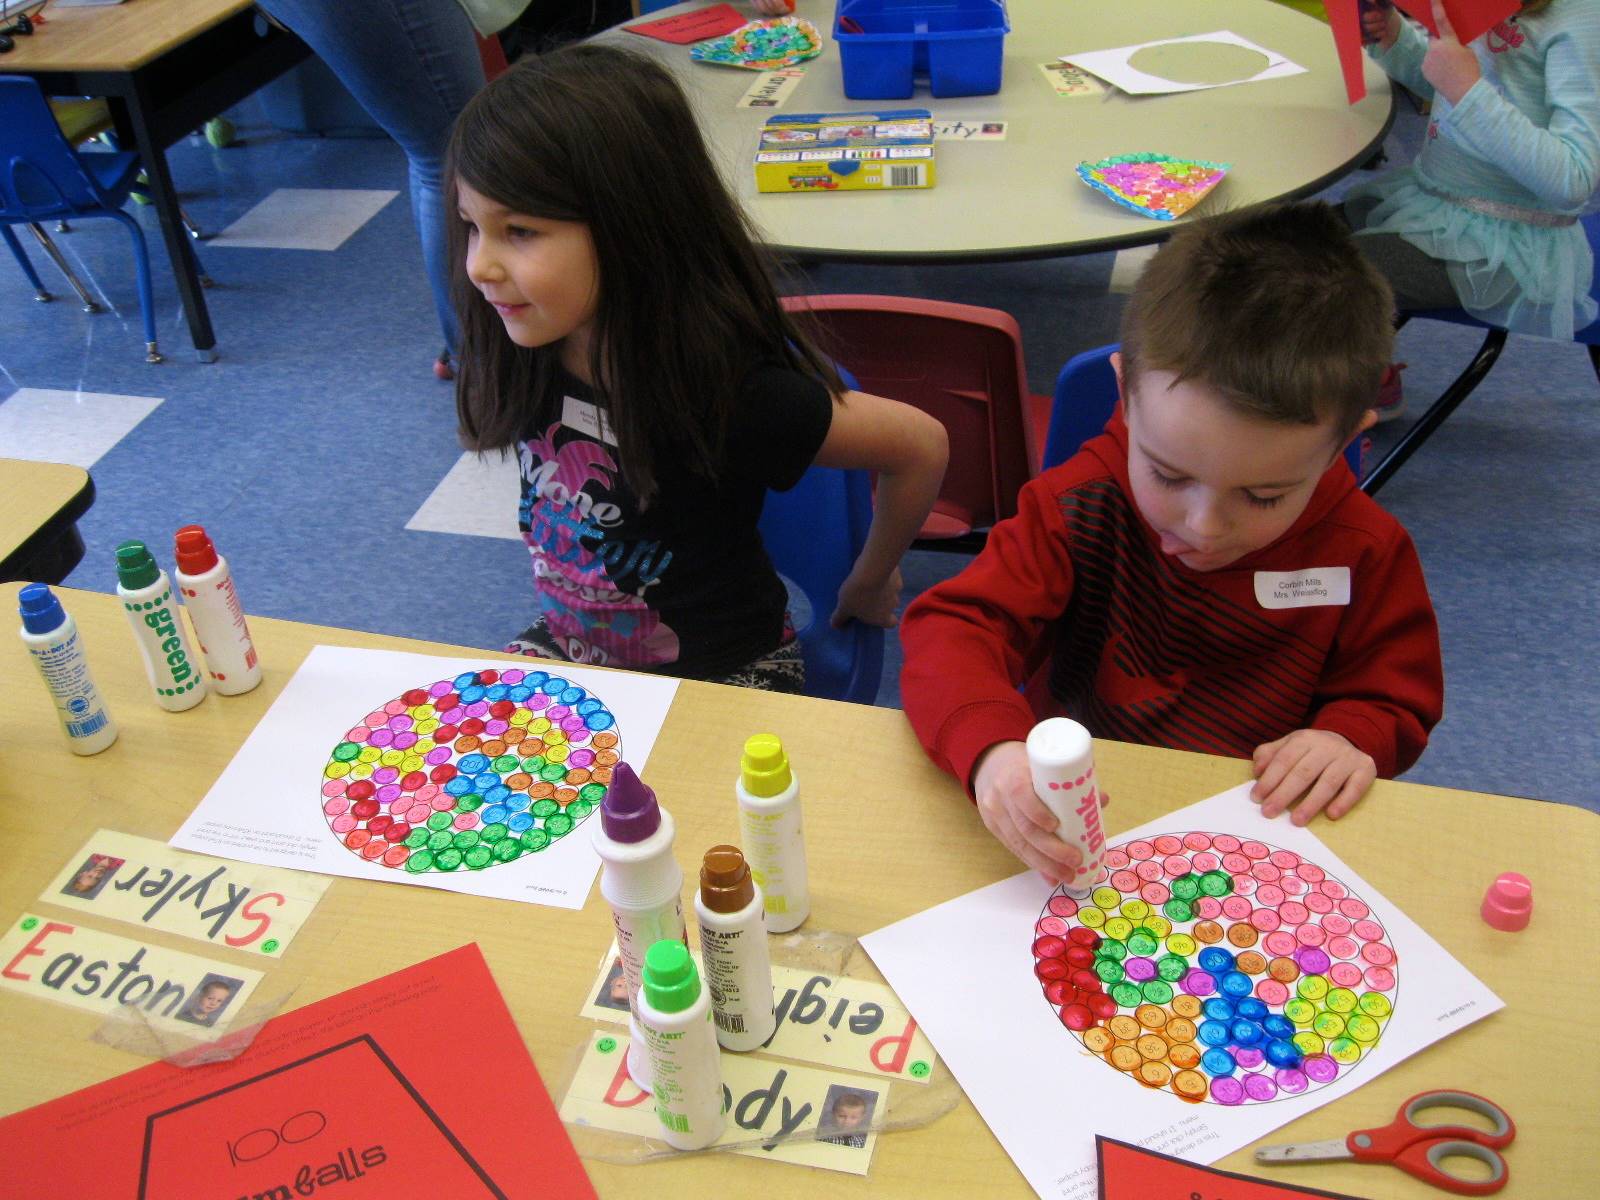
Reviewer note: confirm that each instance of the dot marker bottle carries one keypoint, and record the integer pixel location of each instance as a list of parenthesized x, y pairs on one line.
[(152, 611), (774, 842), (212, 603), (51, 637), (685, 1064), (641, 881), (733, 947), (1508, 904), (1061, 761)]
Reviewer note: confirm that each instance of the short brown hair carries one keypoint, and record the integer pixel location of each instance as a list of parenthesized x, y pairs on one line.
[(1273, 307)]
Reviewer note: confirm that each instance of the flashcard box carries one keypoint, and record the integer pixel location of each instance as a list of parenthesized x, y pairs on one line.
[(846, 152)]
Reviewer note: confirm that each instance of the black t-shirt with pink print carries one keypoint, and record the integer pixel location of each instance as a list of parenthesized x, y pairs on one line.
[(685, 586)]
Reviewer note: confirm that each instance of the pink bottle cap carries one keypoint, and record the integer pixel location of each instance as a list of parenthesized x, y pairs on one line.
[(1508, 904)]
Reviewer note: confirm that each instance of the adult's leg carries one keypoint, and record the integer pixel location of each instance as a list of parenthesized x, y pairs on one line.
[(413, 65)]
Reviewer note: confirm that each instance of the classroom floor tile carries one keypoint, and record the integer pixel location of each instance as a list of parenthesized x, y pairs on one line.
[(304, 219), (478, 497), (44, 425)]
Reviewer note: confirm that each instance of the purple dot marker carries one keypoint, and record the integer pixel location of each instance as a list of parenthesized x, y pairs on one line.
[(629, 812)]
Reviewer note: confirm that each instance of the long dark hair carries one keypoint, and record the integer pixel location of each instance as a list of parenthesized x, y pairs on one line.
[(687, 304)]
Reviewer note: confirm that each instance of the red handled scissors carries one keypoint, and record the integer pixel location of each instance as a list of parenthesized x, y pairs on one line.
[(1418, 1149)]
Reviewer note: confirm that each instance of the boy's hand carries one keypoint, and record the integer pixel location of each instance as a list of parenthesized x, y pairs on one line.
[(1315, 767), (869, 603), (1380, 23), (1448, 65), (1015, 814)]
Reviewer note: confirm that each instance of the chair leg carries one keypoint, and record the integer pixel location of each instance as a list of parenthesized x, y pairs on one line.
[(147, 308), (1494, 341), (1594, 360), (90, 304), (39, 294)]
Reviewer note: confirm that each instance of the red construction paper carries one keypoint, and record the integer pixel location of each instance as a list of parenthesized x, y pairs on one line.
[(1131, 1173), (1469, 18), (1345, 18), (412, 1087), (694, 26)]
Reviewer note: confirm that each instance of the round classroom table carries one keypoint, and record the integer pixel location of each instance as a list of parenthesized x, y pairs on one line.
[(1020, 197)]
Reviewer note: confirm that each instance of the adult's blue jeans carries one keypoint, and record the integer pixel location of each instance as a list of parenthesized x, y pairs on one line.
[(413, 65)]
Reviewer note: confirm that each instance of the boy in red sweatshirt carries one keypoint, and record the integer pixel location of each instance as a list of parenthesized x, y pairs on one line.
[(1205, 575)]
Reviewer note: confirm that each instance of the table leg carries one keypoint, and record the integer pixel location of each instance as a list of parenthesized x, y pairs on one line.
[(133, 121)]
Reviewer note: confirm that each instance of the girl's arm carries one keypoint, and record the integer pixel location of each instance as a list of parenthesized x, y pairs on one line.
[(908, 450), (1402, 59), (1560, 162)]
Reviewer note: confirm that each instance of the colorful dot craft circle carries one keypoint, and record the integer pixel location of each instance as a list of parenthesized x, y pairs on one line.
[(471, 772), (1217, 968)]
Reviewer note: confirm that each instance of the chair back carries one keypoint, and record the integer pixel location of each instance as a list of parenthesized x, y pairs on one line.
[(40, 175), (813, 533), (960, 364), (1086, 396)]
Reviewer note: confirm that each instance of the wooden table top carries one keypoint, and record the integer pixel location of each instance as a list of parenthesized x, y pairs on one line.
[(887, 836), (32, 494), (1020, 197), (118, 37)]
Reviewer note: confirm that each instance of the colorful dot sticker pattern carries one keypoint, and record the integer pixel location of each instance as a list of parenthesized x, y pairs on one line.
[(1220, 969), (470, 772)]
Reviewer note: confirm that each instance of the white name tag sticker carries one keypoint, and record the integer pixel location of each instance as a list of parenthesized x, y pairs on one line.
[(1310, 588), (586, 418)]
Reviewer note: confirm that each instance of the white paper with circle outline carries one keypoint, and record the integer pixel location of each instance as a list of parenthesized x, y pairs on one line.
[(1116, 68)]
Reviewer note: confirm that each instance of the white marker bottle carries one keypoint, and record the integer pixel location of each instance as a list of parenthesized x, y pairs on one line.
[(214, 610), (774, 842), (152, 610), (52, 640), (733, 948), (641, 881), (675, 1015), (1061, 760)]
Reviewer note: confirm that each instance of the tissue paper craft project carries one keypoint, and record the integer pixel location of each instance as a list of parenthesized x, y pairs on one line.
[(763, 45), (1153, 185)]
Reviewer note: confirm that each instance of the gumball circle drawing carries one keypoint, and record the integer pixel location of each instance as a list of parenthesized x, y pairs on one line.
[(1220, 969), (468, 773)]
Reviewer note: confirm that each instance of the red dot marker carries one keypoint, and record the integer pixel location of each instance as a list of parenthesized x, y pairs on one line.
[(1508, 904)]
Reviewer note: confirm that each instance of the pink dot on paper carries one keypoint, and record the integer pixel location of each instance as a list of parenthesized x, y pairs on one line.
[(465, 821), (417, 814), (1249, 1058), (395, 856), (1236, 863), (1310, 872), (1266, 872), (1244, 885), (344, 824), (1175, 865), (560, 712), (1334, 923), (1125, 881), (1209, 908), (1292, 884), (1264, 919), (1293, 912), (375, 849), (1320, 1069), (1053, 926), (1318, 903), (376, 718), (1343, 947), (1270, 991), (1269, 895), (1197, 841), (358, 735), (1140, 849), (1259, 1087), (1236, 908), (1224, 842), (1378, 954), (1346, 975), (1206, 861), (334, 787), (442, 688), (513, 676), (1353, 908), (1063, 906), (336, 806), (1253, 850), (1369, 931), (1115, 859), (1380, 979), (395, 707), (426, 792), (1154, 893), (1292, 1080), (1310, 935), (1167, 844), (443, 802), (1285, 859), (1332, 888), (1279, 943)]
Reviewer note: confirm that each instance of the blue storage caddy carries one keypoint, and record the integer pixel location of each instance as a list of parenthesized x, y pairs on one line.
[(885, 44)]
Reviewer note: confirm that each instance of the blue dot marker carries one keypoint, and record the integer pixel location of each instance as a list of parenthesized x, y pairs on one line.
[(1217, 1062), (1216, 960)]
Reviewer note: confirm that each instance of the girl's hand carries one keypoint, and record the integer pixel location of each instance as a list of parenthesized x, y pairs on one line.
[(1380, 23), (869, 603), (1317, 768), (1448, 65)]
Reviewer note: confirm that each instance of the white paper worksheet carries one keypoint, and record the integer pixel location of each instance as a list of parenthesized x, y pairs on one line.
[(1118, 68)]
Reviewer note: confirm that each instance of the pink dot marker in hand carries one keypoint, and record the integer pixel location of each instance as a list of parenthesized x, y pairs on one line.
[(1508, 904)]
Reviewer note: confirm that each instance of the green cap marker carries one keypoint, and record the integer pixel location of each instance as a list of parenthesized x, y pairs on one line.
[(671, 984), (136, 567)]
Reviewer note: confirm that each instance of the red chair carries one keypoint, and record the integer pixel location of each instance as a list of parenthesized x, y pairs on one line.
[(961, 364)]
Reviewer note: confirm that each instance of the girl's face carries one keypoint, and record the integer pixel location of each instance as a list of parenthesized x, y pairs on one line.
[(540, 275)]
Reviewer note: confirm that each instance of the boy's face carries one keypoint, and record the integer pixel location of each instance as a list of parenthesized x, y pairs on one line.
[(213, 998), (1214, 483), (848, 1115)]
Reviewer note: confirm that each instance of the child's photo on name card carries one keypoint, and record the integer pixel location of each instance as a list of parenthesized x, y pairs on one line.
[(846, 1116), (613, 991), (209, 1000), (92, 876)]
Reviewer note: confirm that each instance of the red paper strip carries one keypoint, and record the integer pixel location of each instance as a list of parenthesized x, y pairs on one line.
[(1345, 18), (412, 1087), (1469, 18), (1130, 1173), (694, 26)]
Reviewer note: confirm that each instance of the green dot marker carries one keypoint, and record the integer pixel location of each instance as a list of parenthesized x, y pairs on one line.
[(505, 764), (1177, 910), (1172, 967), (417, 838), (508, 850), (346, 751), (447, 859), (1157, 991), (270, 946), (535, 839), (553, 772), (479, 857), (420, 861), (494, 833), (439, 820), (466, 839), (592, 792), (1108, 970), (544, 808), (1186, 887), (920, 1069), (1216, 883), (471, 802), (558, 826), (534, 765), (1127, 994), (579, 809), (1113, 950), (439, 839), (28, 923), (1141, 943), (606, 1045)]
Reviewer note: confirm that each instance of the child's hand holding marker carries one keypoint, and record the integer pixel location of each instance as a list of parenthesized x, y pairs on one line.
[(1316, 767), (1451, 67), (1003, 787), (1380, 23)]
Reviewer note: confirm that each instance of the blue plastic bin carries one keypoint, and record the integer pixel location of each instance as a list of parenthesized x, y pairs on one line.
[(884, 45)]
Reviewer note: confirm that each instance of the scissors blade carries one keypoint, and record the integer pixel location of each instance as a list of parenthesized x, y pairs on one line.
[(1328, 1151)]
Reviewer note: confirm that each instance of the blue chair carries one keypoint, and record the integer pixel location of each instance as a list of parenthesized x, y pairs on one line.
[(1086, 394), (1477, 370), (42, 178), (813, 532)]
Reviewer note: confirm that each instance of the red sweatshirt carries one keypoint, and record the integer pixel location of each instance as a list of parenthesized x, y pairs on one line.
[(1074, 596)]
